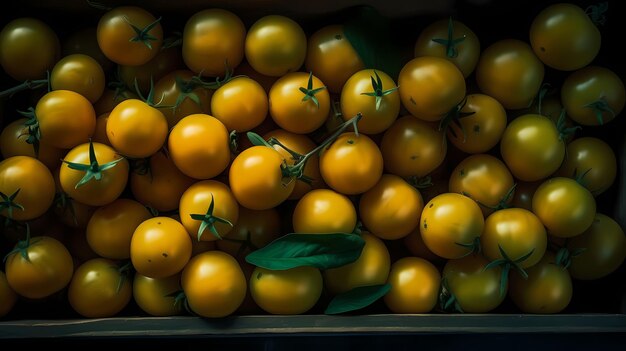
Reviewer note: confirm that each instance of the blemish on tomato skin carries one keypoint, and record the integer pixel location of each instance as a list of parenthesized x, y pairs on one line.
[(164, 255), (431, 205)]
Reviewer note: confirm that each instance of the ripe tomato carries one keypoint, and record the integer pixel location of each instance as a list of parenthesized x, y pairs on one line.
[(212, 40), (411, 147), (7, 296), (166, 61), (391, 209), (324, 211), (564, 37), (482, 130), (371, 268), (373, 94), (451, 40), (414, 286), (532, 147), (129, 35), (450, 224), (302, 145), (179, 97), (430, 87), (485, 179), (111, 227), (604, 247), (39, 268), (517, 232), (548, 288), (199, 146), (595, 159), (275, 45), (79, 73), (253, 230), (27, 188), (331, 57), (476, 289), (256, 178), (28, 48), (59, 130), (14, 142), (154, 296), (99, 289), (291, 291), (136, 129), (565, 207), (297, 106), (509, 71), (593, 95), (214, 284), (160, 184), (215, 197), (95, 192), (351, 164), (241, 104), (85, 41), (160, 247)]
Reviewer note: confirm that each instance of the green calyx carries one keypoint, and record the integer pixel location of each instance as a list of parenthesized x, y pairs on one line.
[(379, 91), (309, 92), (244, 244), (454, 116), (33, 133), (208, 220), (420, 182), (125, 269), (507, 264), (22, 246), (7, 202), (474, 247), (93, 170), (448, 302), (564, 256), (450, 42), (600, 107), (502, 204), (142, 35), (561, 126), (541, 95), (597, 13)]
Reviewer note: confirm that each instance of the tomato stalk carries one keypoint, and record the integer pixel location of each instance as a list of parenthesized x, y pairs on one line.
[(22, 246), (507, 264), (208, 220), (454, 116), (143, 35), (379, 92), (309, 92), (8, 203), (27, 84), (450, 42), (93, 170), (474, 247), (125, 269), (599, 107), (597, 13), (502, 204), (564, 131), (564, 256)]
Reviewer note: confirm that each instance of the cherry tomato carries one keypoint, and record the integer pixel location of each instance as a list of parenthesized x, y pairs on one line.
[(14, 142), (214, 284), (7, 296), (27, 188), (179, 97), (476, 289), (482, 130), (253, 230), (241, 104), (275, 45), (136, 129), (593, 160), (414, 286), (213, 40), (324, 211), (154, 296), (99, 289), (509, 71), (79, 73), (291, 291)]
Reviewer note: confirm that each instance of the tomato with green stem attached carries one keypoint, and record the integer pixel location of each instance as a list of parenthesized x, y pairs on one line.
[(16, 140), (158, 297), (79, 73), (324, 211), (592, 161), (181, 95), (166, 60), (26, 188)]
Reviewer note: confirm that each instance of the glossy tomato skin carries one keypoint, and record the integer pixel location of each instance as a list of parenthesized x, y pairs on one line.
[(199, 146), (324, 211), (260, 227), (589, 85), (518, 232), (411, 147), (564, 37), (256, 178), (291, 291), (28, 48), (47, 269), (275, 45), (169, 90), (467, 51), (331, 57), (476, 289), (509, 71), (548, 288), (214, 284), (604, 247), (95, 192), (371, 268), (115, 35), (414, 286), (532, 147), (136, 129), (565, 207), (79, 73), (595, 159), (33, 183), (241, 104), (154, 296), (391, 209), (482, 130), (56, 128), (160, 247), (351, 164), (430, 87), (13, 142), (7, 296), (205, 48), (99, 289)]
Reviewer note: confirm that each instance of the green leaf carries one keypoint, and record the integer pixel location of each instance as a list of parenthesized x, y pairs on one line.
[(257, 140), (322, 251), (357, 298)]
